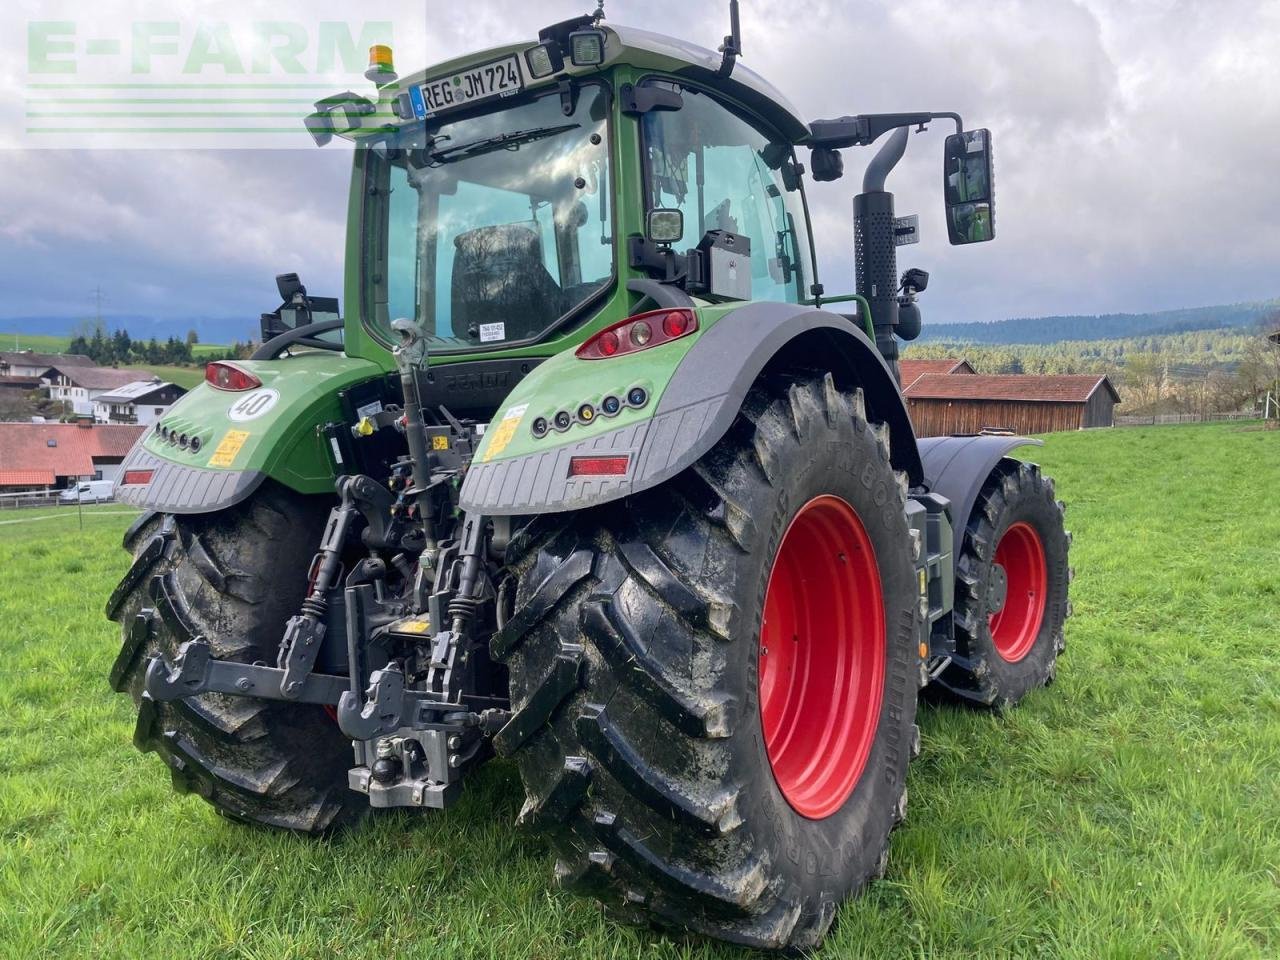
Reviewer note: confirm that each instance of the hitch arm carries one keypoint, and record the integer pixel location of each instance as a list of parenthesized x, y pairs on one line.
[(195, 671)]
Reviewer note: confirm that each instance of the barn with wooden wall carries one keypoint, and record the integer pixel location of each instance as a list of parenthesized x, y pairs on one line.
[(944, 405)]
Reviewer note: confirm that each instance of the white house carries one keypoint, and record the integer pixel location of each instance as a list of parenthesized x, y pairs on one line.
[(78, 386), (143, 402)]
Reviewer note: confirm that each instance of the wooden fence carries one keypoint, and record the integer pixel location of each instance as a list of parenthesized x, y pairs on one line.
[(1158, 419), (42, 498)]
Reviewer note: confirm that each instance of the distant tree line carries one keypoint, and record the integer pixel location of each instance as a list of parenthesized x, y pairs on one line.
[(117, 348), (1239, 317)]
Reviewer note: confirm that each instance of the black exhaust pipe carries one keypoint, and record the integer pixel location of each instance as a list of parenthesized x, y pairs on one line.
[(875, 253)]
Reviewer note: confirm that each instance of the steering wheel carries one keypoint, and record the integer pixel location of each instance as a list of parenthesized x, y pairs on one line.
[(304, 336)]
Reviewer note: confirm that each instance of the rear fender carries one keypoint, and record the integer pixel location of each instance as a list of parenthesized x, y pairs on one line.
[(244, 436), (957, 467), (697, 389)]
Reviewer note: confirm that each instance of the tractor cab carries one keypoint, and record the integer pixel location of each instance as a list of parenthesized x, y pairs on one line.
[(525, 197), (508, 199)]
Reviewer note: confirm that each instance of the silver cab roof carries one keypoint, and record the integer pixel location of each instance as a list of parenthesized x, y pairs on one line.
[(646, 49)]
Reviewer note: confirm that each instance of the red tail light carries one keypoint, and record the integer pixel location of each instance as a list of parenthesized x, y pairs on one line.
[(640, 332), (598, 466), (136, 478), (224, 376)]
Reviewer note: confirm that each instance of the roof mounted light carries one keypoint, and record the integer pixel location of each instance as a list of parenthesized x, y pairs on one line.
[(381, 64), (586, 48), (543, 60)]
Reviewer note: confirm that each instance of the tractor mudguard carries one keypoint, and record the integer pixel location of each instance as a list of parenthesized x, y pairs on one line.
[(696, 388), (957, 467), (236, 439)]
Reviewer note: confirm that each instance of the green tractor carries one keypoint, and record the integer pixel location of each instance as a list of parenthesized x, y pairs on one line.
[(596, 476)]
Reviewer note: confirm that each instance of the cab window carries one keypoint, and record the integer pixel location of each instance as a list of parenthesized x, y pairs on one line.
[(494, 228), (723, 173)]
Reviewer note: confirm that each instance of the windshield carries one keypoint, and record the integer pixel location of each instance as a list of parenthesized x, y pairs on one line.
[(491, 229)]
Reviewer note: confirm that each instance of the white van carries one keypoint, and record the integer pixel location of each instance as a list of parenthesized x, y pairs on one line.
[(88, 491)]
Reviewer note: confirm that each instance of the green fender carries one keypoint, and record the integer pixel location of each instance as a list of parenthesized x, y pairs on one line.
[(695, 387), (236, 439)]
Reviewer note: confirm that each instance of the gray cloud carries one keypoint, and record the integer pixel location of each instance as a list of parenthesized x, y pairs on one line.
[(1136, 145)]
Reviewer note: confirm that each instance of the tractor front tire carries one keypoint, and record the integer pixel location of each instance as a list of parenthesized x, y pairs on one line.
[(1011, 601), (233, 577), (714, 682)]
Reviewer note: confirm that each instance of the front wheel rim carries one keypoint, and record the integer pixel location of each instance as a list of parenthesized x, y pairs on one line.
[(822, 657), (1015, 626)]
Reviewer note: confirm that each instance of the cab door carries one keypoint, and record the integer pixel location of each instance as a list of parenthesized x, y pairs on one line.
[(725, 170)]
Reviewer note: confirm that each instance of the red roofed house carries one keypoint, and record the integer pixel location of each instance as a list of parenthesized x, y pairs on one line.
[(79, 386), (942, 405), (34, 456), (913, 370)]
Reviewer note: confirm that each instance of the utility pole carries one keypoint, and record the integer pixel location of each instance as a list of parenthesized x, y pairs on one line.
[(97, 306)]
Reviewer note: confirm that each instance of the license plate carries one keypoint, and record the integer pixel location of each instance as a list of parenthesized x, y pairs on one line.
[(500, 78)]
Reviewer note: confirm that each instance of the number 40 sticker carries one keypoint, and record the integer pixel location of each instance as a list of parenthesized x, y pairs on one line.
[(253, 405)]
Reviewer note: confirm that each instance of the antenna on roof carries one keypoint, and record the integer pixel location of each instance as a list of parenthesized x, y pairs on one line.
[(732, 46), (599, 14)]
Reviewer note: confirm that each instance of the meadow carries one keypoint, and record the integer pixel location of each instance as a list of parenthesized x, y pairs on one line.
[(1131, 810), (56, 343)]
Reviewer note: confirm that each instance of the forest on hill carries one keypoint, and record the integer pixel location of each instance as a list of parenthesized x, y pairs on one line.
[(1111, 326)]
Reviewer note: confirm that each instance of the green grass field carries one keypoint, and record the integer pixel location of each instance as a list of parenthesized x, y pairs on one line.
[(54, 343), (1132, 810), (186, 377)]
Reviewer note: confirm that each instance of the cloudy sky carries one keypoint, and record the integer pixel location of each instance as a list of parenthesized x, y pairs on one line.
[(1137, 146)]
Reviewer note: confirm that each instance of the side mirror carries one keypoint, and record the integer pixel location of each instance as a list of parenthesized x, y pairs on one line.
[(968, 185), (664, 226)]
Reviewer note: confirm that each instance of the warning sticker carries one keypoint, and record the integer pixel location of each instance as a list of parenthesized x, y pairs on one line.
[(225, 453), (418, 625), (439, 443), (504, 431)]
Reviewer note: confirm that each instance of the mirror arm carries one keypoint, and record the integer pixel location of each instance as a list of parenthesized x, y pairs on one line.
[(865, 129)]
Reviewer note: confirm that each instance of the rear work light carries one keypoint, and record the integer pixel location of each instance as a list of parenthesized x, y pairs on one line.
[(640, 332), (598, 466), (224, 376)]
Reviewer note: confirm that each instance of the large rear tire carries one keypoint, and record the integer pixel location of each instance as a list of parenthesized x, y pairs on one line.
[(714, 682), (1011, 602), (233, 577)]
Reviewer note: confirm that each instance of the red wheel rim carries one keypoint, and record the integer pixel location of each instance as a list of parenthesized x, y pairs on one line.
[(822, 657), (1015, 626)]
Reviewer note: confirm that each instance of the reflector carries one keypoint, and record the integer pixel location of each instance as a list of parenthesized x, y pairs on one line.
[(598, 466)]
